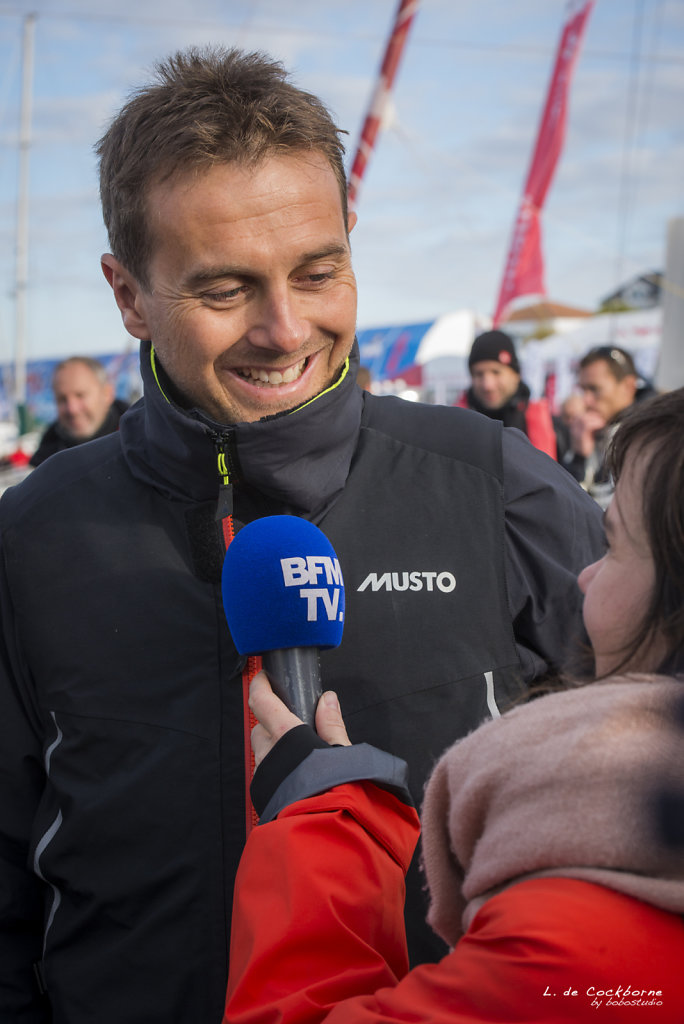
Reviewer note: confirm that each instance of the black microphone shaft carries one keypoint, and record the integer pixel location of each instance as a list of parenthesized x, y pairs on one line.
[(295, 676)]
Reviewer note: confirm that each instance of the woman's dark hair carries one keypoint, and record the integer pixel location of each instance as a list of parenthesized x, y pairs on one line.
[(656, 426)]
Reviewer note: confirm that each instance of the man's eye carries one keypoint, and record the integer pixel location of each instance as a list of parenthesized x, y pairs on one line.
[(315, 279), (226, 296)]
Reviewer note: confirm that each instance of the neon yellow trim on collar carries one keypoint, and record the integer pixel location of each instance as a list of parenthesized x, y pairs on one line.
[(153, 364), (327, 390)]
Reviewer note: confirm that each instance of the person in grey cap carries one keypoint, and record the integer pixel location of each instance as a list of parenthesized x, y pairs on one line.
[(498, 391)]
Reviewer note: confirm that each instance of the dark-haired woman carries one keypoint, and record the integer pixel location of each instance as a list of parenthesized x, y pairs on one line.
[(544, 852)]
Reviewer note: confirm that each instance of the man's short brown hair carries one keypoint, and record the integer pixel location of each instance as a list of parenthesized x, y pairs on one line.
[(97, 369), (205, 107), (618, 361)]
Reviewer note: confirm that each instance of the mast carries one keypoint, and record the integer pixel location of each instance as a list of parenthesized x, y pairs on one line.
[(21, 271), (378, 104)]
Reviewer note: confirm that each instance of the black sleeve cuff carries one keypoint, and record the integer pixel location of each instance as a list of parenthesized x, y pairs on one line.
[(290, 750), (325, 767)]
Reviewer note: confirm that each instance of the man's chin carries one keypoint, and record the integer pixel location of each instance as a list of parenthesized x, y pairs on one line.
[(78, 437)]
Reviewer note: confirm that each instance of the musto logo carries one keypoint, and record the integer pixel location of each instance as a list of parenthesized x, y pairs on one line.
[(444, 581), (306, 572)]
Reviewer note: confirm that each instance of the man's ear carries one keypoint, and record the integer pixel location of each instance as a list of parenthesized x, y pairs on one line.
[(128, 296)]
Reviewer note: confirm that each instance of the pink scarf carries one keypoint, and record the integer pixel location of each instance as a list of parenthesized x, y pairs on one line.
[(563, 785)]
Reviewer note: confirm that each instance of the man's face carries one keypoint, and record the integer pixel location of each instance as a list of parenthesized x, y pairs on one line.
[(493, 383), (82, 400), (604, 394), (252, 300)]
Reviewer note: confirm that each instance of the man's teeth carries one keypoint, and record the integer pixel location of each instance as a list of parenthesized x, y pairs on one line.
[(273, 377)]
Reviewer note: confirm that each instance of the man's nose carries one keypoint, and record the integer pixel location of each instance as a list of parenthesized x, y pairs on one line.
[(280, 324)]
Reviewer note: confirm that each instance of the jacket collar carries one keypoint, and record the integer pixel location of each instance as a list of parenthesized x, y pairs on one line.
[(299, 458)]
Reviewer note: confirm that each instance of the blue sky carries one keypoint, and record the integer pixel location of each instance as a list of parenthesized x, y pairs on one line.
[(438, 201)]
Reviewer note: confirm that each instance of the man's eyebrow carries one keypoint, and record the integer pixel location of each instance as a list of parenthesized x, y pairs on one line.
[(326, 251)]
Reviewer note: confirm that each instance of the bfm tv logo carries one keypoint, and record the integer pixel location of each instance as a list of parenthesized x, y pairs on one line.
[(304, 572)]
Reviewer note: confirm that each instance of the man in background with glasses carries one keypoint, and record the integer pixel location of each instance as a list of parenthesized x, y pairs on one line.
[(610, 384)]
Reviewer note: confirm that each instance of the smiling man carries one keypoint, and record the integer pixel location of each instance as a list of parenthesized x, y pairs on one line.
[(124, 725), (251, 271), (86, 406)]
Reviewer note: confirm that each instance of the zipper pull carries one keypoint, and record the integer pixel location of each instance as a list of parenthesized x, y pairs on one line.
[(224, 506), (225, 466)]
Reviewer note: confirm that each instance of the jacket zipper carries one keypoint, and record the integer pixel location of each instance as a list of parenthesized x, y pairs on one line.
[(226, 465)]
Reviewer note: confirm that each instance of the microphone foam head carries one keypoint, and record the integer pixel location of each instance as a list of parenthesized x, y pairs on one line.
[(282, 587)]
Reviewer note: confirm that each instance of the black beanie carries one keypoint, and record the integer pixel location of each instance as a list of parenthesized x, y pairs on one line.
[(496, 346)]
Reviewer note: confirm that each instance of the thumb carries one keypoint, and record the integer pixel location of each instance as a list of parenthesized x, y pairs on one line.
[(329, 722)]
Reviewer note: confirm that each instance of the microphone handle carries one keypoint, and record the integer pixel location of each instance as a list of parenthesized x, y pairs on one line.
[(295, 675)]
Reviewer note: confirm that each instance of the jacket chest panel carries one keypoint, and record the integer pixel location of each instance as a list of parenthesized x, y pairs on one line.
[(420, 542), (428, 640), (120, 626)]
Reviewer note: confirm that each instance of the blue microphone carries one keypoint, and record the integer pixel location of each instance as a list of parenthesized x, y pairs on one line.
[(283, 596)]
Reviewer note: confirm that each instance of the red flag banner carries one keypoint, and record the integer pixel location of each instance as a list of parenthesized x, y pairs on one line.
[(524, 271), (371, 126)]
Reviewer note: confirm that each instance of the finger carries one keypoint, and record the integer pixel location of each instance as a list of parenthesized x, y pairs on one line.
[(262, 743), (268, 709), (329, 722)]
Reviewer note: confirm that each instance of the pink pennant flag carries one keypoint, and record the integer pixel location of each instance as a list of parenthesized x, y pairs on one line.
[(524, 271)]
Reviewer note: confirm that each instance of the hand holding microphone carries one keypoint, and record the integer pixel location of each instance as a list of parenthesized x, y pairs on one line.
[(274, 719), (283, 596)]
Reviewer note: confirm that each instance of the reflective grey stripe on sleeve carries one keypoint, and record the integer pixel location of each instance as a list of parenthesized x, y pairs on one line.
[(53, 746), (48, 837), (333, 766), (56, 895), (491, 699)]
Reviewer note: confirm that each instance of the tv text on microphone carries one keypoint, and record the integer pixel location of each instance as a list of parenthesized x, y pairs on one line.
[(283, 595)]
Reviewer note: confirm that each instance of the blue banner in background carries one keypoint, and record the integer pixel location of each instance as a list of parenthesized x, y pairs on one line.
[(388, 352)]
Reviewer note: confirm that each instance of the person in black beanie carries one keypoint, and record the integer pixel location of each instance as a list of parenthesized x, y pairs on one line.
[(498, 391)]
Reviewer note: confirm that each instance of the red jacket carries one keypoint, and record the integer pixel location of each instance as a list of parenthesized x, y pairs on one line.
[(318, 935)]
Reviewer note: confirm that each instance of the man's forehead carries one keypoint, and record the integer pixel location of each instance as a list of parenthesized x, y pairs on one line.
[(75, 373), (295, 193), (186, 179), (491, 366), (598, 370)]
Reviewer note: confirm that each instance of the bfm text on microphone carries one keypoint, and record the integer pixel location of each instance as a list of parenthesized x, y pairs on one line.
[(283, 596)]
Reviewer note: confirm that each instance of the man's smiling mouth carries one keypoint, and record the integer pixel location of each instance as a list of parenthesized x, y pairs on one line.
[(271, 378)]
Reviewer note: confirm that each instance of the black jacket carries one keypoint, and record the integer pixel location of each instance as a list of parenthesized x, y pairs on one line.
[(122, 723), (55, 440)]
